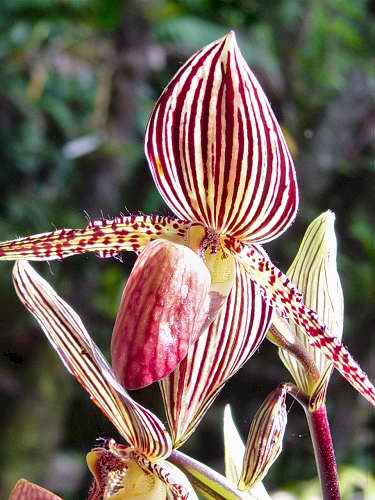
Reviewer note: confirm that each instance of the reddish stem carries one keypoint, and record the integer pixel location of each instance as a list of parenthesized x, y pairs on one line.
[(324, 452)]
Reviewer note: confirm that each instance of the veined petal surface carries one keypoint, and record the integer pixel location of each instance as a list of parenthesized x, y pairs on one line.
[(25, 490), (106, 237), (163, 306), (80, 355), (217, 355), (288, 301), (216, 151)]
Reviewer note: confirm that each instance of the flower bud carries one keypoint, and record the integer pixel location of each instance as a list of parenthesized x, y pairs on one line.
[(164, 305), (264, 442), (314, 271)]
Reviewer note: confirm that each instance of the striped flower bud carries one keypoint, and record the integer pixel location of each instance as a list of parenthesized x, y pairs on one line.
[(163, 308), (234, 451), (264, 442), (314, 271)]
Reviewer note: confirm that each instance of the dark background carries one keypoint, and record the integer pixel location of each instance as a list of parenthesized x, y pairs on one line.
[(78, 80)]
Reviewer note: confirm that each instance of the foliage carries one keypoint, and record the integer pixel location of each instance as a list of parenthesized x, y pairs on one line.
[(78, 80)]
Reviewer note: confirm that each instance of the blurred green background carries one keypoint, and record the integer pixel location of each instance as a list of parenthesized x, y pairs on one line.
[(78, 79)]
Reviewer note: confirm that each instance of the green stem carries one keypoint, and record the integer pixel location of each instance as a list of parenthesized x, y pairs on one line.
[(204, 478), (324, 452), (296, 348)]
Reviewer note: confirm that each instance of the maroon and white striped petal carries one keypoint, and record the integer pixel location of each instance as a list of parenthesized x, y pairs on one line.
[(25, 490), (80, 355), (106, 237), (228, 343), (288, 301), (216, 151)]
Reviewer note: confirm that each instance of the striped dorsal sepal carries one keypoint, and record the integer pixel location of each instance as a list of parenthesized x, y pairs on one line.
[(216, 151)]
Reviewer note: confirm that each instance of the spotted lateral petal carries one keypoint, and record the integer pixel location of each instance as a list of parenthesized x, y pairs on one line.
[(228, 343), (25, 490), (288, 301), (216, 151), (106, 237), (80, 355)]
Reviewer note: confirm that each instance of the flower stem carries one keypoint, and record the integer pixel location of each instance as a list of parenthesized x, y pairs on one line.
[(204, 478), (324, 452), (296, 348)]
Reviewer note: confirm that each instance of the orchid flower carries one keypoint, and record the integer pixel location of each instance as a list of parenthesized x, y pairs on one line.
[(120, 471), (221, 164)]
